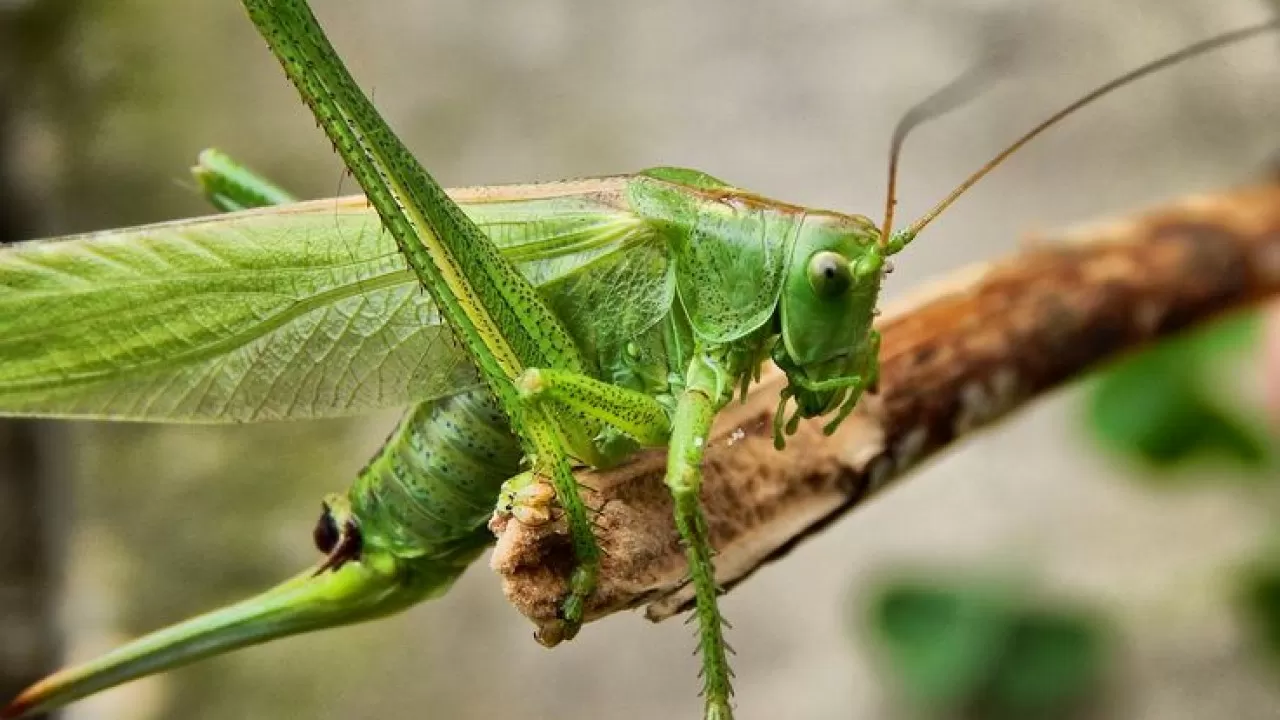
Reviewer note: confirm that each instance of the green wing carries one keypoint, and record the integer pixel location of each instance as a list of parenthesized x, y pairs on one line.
[(300, 311)]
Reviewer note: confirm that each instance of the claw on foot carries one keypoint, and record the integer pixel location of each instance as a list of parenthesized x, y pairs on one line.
[(526, 499), (550, 634), (718, 712)]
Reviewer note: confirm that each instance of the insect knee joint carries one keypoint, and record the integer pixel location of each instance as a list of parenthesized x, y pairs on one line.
[(531, 384)]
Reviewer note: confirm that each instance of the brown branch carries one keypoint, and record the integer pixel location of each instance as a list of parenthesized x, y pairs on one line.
[(966, 354)]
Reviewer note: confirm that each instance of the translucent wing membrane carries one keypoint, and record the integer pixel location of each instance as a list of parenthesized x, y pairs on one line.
[(303, 311), (246, 317)]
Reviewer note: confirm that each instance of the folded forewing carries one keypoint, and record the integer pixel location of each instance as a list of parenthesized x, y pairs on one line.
[(301, 311)]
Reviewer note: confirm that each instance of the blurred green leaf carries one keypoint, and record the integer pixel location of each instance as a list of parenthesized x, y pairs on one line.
[(1160, 407), (1261, 602), (982, 650), (1051, 662), (939, 641)]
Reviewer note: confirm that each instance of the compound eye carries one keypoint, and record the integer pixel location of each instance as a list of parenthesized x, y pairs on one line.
[(829, 274), (326, 533)]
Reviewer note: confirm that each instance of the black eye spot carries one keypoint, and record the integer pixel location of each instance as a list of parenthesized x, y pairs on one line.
[(829, 274), (325, 533)]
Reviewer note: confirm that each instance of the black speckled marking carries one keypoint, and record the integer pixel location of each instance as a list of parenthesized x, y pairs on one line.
[(437, 477)]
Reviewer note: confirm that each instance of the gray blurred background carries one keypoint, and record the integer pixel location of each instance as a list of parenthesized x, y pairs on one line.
[(106, 103)]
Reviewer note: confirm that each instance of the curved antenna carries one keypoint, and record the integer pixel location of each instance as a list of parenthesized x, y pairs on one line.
[(923, 112), (951, 96)]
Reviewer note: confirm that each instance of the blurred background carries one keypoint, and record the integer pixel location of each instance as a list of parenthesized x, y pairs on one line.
[(108, 531)]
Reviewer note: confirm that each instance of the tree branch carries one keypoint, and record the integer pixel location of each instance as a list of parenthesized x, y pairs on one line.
[(955, 359)]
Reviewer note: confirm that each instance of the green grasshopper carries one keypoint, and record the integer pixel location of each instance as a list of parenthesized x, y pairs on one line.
[(515, 374)]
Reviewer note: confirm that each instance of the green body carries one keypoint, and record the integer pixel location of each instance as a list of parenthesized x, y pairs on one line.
[(563, 324), (308, 270), (321, 280)]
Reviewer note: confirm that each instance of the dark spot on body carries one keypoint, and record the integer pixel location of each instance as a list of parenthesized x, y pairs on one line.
[(325, 535), (349, 547)]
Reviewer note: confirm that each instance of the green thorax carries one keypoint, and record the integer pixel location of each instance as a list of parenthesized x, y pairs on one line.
[(742, 261)]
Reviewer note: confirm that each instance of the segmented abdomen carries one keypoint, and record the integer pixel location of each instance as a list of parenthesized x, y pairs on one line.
[(434, 483)]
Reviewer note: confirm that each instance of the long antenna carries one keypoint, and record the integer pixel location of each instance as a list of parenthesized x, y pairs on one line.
[(928, 110), (950, 97)]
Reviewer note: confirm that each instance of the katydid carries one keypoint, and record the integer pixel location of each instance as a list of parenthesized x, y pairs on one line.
[(311, 310)]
